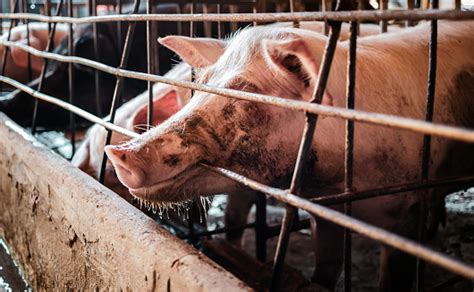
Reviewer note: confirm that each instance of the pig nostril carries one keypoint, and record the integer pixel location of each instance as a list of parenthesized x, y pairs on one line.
[(123, 157)]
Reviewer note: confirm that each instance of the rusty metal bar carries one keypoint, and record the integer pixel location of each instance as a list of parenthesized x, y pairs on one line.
[(367, 230), (383, 23), (118, 85), (391, 121), (44, 68), (118, 7), (24, 9), (95, 37), (349, 151), (425, 163), (150, 60), (7, 49), (72, 121), (305, 147), (219, 23), (385, 191), (414, 15)]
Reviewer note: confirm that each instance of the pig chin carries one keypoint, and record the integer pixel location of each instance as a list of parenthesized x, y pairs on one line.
[(187, 185)]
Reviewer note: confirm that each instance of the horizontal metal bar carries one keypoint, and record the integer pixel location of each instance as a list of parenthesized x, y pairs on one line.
[(356, 196), (373, 232), (419, 126), (414, 15), (67, 106)]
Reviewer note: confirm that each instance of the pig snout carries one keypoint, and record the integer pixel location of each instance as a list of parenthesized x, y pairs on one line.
[(128, 169)]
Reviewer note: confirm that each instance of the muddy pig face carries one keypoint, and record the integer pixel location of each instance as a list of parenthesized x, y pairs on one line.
[(255, 139)]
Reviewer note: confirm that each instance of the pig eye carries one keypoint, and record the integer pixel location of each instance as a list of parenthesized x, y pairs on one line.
[(244, 85)]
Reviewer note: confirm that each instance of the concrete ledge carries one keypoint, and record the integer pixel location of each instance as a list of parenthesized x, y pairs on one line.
[(69, 232)]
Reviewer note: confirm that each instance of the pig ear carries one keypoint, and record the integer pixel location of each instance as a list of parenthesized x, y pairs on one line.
[(20, 57), (163, 108), (294, 57), (197, 52)]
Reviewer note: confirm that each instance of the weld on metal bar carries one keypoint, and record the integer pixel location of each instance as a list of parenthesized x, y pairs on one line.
[(349, 151), (414, 15), (44, 68), (367, 230), (305, 147), (425, 164), (390, 121), (363, 195), (118, 86)]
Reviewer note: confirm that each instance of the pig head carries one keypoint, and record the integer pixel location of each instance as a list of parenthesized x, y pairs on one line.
[(164, 163), (133, 116)]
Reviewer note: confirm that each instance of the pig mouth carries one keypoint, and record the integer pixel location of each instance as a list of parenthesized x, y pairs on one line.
[(171, 190)]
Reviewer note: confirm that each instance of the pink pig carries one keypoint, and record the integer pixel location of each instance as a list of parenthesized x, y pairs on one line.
[(17, 62), (261, 141)]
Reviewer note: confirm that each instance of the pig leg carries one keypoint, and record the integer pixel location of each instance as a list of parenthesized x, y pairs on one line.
[(397, 269), (236, 213), (328, 239)]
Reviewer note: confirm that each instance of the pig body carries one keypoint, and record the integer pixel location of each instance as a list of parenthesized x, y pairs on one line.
[(261, 141)]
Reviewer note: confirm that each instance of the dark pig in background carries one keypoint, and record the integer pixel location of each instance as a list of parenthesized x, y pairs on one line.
[(19, 105)]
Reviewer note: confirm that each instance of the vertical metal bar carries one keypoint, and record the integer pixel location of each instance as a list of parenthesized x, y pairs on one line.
[(95, 36), (261, 227), (410, 6), (255, 10), (191, 23), (349, 152), (118, 7), (72, 122), (150, 61), (219, 23), (118, 85), (303, 152), (27, 22), (191, 34), (44, 69), (383, 23), (7, 49), (457, 4), (429, 110), (292, 9)]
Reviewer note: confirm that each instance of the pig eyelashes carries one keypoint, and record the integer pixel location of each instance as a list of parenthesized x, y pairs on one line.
[(295, 67)]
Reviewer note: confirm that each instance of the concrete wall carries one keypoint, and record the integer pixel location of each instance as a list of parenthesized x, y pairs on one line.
[(68, 231)]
